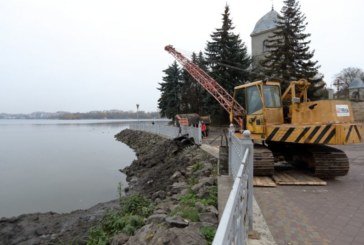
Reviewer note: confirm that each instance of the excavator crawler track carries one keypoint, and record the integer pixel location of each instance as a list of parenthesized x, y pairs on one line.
[(329, 162), (323, 160), (263, 161)]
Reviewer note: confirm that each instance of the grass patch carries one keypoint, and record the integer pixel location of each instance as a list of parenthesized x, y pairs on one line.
[(133, 211), (191, 181), (189, 199), (187, 209), (186, 212), (197, 166), (137, 205), (208, 232), (212, 197)]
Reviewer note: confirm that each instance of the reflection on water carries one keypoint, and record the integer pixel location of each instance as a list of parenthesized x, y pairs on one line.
[(59, 165)]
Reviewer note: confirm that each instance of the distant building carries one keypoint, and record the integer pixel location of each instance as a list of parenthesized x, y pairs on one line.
[(262, 30), (356, 90)]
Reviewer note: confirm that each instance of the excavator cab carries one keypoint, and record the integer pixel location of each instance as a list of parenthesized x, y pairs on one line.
[(263, 105)]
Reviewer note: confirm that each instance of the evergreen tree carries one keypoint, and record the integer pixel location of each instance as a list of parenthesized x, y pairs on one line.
[(190, 99), (228, 63), (170, 101), (204, 105), (193, 93), (317, 90), (289, 57)]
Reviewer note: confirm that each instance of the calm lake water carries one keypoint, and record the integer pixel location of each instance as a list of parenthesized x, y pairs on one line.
[(56, 165)]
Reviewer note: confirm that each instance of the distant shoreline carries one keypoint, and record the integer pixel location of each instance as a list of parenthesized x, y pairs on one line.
[(95, 119), (63, 115)]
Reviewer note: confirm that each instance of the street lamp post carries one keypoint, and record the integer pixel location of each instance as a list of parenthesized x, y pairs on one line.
[(137, 105)]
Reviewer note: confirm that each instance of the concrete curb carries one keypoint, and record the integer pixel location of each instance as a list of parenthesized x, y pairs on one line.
[(260, 226)]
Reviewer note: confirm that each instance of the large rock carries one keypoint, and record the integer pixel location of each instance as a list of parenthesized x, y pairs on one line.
[(159, 194), (178, 187), (176, 176), (206, 170), (205, 181), (209, 218), (176, 222), (153, 234), (213, 210), (156, 218), (119, 239), (166, 206)]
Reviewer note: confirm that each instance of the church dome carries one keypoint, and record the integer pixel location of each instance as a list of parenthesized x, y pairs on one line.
[(356, 83), (266, 23)]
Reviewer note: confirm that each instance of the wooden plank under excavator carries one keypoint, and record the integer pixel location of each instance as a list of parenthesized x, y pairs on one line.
[(263, 181), (293, 177)]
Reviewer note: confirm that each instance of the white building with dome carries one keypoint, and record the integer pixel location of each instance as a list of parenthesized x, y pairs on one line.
[(356, 90), (262, 30)]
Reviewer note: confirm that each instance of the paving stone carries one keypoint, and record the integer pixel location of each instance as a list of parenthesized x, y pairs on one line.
[(332, 214)]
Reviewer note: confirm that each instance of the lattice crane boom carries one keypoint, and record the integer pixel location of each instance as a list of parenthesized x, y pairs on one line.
[(209, 84)]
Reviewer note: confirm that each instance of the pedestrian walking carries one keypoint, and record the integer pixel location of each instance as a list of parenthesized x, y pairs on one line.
[(203, 130)]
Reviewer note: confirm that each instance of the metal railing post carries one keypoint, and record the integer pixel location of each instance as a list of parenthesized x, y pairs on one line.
[(199, 133), (230, 152), (249, 144)]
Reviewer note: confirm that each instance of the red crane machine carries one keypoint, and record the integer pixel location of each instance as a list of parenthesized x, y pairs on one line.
[(210, 85)]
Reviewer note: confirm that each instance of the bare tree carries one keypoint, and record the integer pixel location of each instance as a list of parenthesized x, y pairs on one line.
[(345, 77), (349, 74)]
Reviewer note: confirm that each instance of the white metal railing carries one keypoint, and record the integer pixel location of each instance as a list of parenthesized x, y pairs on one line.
[(170, 132), (237, 218)]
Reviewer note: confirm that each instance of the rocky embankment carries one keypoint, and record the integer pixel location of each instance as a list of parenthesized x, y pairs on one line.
[(180, 181), (51, 227)]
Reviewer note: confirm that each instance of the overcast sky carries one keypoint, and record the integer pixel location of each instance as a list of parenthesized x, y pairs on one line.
[(75, 55)]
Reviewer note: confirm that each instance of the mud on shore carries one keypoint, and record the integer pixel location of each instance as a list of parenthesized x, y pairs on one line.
[(165, 171)]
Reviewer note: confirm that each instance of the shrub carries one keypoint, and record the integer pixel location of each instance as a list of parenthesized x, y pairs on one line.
[(208, 232), (97, 236), (136, 204), (134, 209)]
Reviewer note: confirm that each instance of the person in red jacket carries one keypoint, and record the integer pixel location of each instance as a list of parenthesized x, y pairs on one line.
[(203, 130)]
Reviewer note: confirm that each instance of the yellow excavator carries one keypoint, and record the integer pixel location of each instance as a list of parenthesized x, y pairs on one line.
[(287, 125)]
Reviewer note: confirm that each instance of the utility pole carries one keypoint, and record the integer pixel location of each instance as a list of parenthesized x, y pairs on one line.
[(137, 105)]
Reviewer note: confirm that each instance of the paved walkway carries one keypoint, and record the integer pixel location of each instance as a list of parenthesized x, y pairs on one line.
[(332, 214)]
